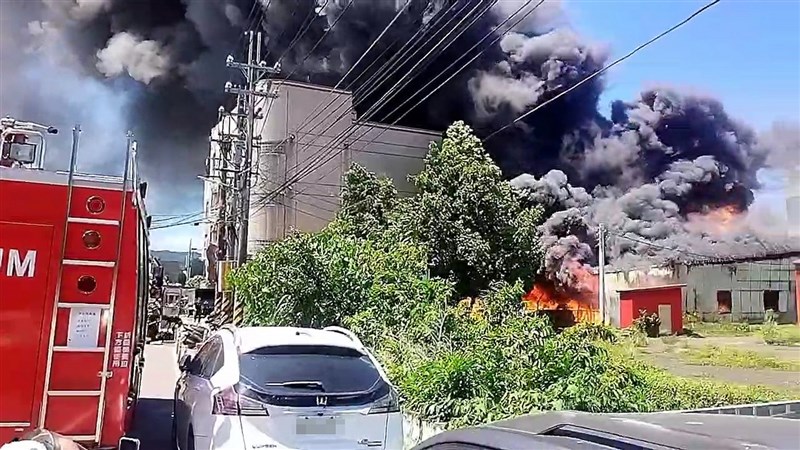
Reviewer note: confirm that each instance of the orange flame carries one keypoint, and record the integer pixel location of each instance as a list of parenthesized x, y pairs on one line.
[(724, 215), (567, 305), (719, 220)]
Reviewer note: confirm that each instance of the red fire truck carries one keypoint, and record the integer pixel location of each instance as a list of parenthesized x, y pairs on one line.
[(73, 292)]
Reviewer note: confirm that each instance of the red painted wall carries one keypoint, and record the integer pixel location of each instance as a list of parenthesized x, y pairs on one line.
[(648, 299)]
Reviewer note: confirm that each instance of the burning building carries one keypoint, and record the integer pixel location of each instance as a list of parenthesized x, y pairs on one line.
[(566, 304), (737, 289)]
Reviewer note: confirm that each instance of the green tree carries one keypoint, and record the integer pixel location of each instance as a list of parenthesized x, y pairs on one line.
[(470, 219), (326, 278), (367, 201)]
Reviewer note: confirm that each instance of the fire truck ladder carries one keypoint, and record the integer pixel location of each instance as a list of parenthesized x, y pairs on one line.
[(104, 372)]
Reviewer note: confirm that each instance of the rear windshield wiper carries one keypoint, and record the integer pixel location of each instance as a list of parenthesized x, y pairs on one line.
[(313, 385)]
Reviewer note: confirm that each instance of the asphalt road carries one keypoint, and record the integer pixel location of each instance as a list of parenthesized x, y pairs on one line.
[(153, 418)]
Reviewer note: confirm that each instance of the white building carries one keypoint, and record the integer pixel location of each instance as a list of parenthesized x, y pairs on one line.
[(306, 141)]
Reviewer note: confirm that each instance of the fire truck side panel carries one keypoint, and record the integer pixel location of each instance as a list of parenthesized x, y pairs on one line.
[(123, 332), (77, 250), (72, 415), (71, 276), (26, 303), (111, 204), (77, 403)]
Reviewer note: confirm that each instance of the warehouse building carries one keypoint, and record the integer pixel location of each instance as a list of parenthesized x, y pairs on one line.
[(736, 289)]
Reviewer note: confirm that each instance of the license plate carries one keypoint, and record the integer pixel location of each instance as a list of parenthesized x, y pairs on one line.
[(317, 425)]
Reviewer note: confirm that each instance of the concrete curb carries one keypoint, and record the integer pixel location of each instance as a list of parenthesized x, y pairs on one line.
[(416, 430)]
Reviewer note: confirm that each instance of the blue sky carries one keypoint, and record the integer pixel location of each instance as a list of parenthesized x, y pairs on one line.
[(744, 52)]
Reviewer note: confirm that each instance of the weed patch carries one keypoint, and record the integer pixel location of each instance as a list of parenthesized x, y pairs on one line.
[(730, 357)]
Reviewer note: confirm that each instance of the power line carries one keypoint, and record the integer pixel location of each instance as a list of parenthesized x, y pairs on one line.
[(266, 200), (705, 258), (310, 19), (385, 98), (395, 60), (443, 83), (595, 74), (308, 54), (344, 77), (366, 70)]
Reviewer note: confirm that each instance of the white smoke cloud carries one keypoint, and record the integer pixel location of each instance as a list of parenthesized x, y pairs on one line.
[(144, 60), (491, 91)]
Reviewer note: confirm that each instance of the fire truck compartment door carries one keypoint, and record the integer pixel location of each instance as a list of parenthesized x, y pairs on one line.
[(24, 266)]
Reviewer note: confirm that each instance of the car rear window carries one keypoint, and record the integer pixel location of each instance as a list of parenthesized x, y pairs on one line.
[(339, 370)]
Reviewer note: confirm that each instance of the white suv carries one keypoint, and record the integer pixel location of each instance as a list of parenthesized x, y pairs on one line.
[(285, 388)]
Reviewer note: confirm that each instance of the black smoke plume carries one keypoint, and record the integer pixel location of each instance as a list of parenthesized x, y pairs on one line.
[(654, 170)]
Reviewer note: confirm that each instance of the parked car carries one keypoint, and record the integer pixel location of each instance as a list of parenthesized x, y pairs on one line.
[(285, 388), (643, 431)]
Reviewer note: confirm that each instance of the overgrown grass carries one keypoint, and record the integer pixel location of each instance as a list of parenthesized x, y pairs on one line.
[(784, 335), (731, 357), (523, 366), (772, 333), (708, 329), (671, 392)]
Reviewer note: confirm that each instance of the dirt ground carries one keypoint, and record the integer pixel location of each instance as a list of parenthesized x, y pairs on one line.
[(664, 352)]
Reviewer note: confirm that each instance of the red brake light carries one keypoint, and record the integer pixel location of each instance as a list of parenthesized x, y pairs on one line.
[(230, 403), (388, 404), (87, 284), (91, 239), (95, 205)]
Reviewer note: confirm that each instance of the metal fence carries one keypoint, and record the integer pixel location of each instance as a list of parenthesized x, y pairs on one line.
[(787, 409)]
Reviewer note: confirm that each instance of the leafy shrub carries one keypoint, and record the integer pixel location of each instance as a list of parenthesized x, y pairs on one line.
[(647, 323), (593, 331)]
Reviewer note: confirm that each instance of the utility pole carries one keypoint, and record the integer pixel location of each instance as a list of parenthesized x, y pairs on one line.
[(601, 256), (219, 168), (189, 261), (254, 70)]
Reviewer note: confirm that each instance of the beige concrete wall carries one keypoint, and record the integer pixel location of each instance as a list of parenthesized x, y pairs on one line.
[(300, 137)]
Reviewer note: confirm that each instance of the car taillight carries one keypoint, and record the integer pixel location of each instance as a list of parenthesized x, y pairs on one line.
[(388, 404), (91, 239), (95, 205), (230, 403), (87, 284)]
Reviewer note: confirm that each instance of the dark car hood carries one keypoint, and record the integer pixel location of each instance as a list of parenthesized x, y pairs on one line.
[(665, 429)]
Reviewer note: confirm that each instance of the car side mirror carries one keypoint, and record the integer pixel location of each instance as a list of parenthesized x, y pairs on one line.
[(185, 362), (126, 443)]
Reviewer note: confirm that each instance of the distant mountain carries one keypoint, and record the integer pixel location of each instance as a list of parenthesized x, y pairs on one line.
[(175, 262)]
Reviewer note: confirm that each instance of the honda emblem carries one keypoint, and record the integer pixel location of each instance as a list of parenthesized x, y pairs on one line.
[(322, 401)]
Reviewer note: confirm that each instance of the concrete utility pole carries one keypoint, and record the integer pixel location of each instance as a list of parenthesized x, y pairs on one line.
[(601, 256), (219, 171), (254, 70), (189, 262)]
